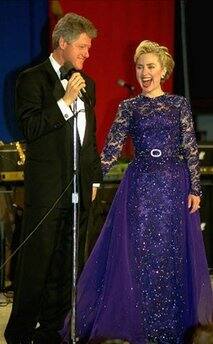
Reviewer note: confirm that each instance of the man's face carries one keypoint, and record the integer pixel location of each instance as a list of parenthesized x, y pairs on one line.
[(77, 51)]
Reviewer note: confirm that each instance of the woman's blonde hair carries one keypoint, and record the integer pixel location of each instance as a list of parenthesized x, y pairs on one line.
[(160, 51)]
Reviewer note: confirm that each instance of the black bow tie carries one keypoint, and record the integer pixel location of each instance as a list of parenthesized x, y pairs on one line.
[(66, 70), (65, 74)]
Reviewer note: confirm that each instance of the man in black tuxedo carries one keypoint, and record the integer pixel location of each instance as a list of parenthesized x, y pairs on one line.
[(45, 106)]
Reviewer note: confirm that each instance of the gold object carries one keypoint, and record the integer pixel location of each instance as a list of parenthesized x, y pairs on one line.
[(12, 176), (21, 154), (206, 169), (12, 160)]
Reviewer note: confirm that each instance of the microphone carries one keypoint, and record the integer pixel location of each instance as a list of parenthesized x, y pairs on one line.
[(123, 83), (66, 71)]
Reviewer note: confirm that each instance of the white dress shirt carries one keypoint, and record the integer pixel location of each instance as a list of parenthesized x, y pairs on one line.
[(65, 109)]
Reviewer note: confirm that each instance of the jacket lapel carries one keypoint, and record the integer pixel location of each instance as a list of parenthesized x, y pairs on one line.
[(87, 125), (58, 90)]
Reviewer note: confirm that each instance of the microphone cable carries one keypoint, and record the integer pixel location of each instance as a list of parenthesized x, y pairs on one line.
[(37, 226), (43, 218)]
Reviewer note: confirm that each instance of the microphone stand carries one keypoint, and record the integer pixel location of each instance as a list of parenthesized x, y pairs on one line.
[(67, 70), (75, 202)]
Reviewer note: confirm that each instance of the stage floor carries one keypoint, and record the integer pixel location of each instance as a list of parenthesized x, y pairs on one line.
[(5, 309)]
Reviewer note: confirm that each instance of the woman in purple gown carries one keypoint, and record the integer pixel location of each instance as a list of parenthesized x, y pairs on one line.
[(147, 280)]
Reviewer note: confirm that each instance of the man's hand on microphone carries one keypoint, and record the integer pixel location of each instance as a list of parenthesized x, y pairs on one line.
[(75, 84)]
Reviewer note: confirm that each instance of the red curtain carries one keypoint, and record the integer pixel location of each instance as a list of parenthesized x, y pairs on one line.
[(122, 25)]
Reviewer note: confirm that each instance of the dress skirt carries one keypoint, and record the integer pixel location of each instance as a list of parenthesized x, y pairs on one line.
[(147, 278)]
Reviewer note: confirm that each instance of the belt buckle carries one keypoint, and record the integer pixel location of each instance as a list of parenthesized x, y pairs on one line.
[(156, 153)]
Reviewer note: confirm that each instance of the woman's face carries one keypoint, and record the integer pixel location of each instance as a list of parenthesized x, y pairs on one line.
[(149, 73)]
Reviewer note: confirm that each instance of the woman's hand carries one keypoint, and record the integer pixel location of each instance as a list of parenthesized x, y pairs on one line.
[(193, 203)]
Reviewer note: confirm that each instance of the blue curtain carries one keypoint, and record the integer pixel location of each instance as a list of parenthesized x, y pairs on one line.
[(24, 42)]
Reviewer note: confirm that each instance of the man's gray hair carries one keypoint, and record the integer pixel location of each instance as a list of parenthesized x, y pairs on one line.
[(70, 26)]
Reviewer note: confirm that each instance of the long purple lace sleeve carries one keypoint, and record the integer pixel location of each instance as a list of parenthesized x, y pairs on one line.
[(115, 139), (190, 148)]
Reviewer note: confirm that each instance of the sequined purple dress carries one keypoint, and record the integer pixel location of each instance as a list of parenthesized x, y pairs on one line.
[(147, 278)]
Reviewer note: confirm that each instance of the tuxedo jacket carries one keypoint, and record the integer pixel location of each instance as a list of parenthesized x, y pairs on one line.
[(49, 140)]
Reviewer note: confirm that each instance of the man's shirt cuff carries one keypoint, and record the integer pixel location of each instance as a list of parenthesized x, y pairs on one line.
[(65, 109), (96, 185)]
